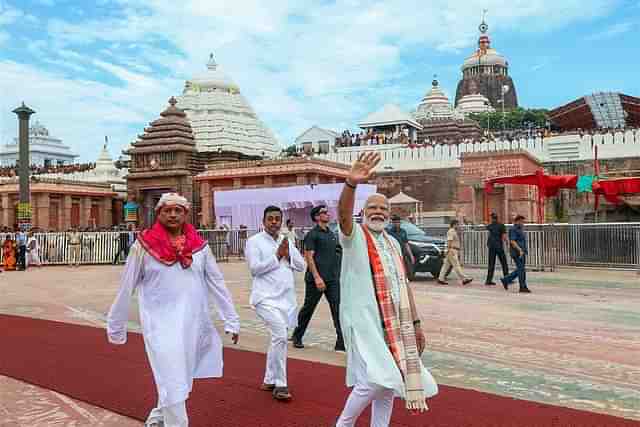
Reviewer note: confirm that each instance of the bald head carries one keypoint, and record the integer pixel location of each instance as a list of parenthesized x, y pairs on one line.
[(376, 212)]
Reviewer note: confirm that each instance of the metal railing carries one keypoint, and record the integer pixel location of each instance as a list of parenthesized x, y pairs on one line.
[(609, 245), (102, 247)]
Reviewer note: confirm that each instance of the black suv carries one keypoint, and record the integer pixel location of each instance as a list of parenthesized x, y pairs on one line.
[(429, 252)]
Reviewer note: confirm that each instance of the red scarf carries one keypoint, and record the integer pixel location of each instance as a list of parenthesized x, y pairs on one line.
[(157, 243)]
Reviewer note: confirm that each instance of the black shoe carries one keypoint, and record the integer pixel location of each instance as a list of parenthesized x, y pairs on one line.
[(440, 282), (298, 343), (467, 281), (504, 284), (490, 284), (525, 291)]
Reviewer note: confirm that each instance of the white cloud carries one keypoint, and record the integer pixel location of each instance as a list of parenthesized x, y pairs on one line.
[(612, 31), (298, 62)]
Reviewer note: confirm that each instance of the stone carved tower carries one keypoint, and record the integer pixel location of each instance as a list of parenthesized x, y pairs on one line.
[(163, 160), (486, 72)]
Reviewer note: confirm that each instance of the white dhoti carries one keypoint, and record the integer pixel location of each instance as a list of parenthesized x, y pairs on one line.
[(277, 321)]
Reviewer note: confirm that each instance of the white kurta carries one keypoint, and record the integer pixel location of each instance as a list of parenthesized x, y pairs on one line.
[(33, 255), (273, 280), (179, 337), (274, 297), (369, 359)]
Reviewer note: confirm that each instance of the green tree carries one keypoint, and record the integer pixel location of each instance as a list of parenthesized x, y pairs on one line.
[(513, 119)]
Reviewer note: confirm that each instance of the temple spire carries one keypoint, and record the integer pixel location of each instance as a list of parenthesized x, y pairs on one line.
[(212, 64)]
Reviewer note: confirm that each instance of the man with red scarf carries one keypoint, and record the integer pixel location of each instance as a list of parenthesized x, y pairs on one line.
[(382, 332), (175, 274)]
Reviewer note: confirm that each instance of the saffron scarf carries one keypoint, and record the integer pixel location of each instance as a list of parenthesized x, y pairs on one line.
[(398, 326), (157, 243)]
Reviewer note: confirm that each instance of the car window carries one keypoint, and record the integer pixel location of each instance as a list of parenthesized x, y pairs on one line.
[(412, 230)]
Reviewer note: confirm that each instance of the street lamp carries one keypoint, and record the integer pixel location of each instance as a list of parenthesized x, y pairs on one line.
[(505, 89), (24, 208)]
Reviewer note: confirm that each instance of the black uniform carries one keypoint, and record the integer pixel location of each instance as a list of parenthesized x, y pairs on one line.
[(324, 244), (496, 249)]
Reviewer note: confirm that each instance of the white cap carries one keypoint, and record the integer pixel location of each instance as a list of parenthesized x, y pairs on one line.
[(173, 199)]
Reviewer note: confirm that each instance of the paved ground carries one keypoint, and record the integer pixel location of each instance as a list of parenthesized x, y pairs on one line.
[(573, 342)]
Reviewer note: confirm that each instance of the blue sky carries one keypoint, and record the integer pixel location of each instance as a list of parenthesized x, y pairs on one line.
[(107, 67)]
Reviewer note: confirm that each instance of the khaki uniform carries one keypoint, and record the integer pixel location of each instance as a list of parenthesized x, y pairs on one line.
[(452, 259)]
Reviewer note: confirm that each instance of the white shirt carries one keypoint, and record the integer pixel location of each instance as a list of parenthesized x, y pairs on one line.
[(273, 280), (179, 337)]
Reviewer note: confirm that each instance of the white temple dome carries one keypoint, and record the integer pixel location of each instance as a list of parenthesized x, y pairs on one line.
[(435, 104), (491, 57), (221, 118), (475, 103)]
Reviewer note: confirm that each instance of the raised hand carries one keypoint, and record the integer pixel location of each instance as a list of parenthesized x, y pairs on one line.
[(362, 169)]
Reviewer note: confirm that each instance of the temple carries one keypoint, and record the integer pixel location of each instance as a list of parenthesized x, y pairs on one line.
[(224, 125), (486, 72), (44, 150)]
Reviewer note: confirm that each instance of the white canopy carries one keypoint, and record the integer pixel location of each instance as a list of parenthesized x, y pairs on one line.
[(245, 207), (402, 198), (389, 115)]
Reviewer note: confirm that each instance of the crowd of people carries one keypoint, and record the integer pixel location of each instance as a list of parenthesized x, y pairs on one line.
[(11, 171), (371, 137)]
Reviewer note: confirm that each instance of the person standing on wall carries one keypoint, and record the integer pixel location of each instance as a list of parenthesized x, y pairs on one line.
[(495, 243), (519, 252), (452, 259), (322, 276)]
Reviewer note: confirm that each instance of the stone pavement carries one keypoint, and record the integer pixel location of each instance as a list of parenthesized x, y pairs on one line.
[(572, 342)]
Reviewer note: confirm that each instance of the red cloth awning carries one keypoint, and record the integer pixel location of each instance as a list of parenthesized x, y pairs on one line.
[(612, 189), (548, 185)]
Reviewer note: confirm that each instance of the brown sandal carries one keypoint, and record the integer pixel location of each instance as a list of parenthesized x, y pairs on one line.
[(281, 393), (267, 387)]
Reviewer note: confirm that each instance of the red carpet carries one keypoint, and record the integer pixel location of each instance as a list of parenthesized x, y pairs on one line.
[(77, 361)]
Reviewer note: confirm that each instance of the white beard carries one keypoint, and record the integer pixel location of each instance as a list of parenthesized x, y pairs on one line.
[(376, 226)]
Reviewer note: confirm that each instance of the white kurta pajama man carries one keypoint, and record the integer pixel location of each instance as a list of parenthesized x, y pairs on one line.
[(371, 369), (274, 298), (179, 337)]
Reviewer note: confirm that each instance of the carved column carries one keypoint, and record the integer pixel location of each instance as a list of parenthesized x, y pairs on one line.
[(85, 211), (41, 210), (106, 216), (4, 220), (206, 203), (67, 203)]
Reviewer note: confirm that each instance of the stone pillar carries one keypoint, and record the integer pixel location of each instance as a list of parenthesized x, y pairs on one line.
[(67, 202), (41, 210), (206, 203), (85, 211), (106, 214), (24, 113), (4, 220), (302, 179), (237, 182)]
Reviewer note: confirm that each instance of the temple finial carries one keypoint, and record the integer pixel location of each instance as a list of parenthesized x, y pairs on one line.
[(212, 62), (483, 25)]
